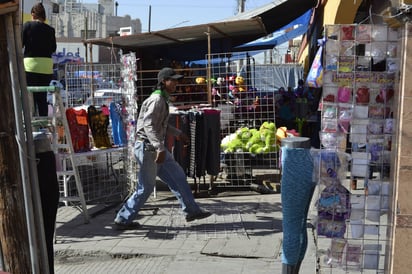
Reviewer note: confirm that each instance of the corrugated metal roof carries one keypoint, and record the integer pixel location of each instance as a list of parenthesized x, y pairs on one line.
[(226, 29)]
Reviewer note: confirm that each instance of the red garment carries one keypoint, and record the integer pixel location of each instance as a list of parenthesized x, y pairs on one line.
[(79, 129)]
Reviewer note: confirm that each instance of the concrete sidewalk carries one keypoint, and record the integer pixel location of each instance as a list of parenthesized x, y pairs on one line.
[(244, 235)]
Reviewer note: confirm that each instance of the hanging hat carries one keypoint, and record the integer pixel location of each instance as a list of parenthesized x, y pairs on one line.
[(200, 80), (220, 81), (239, 80), (212, 80)]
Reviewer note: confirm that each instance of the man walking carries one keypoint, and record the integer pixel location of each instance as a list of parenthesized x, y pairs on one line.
[(153, 157)]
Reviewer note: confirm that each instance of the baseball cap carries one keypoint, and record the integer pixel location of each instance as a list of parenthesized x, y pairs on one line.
[(168, 73)]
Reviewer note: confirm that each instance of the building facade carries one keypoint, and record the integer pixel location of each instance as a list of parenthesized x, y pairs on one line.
[(75, 21)]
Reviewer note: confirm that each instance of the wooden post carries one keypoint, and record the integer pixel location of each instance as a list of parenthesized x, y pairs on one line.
[(209, 72), (13, 228)]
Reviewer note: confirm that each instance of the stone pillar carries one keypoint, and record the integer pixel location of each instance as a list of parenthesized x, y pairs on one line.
[(401, 164)]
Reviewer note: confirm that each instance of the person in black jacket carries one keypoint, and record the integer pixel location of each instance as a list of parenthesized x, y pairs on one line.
[(39, 42)]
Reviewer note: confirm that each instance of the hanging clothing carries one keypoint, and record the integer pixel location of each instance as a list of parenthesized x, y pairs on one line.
[(296, 192), (205, 148), (48, 188), (98, 123), (118, 126), (180, 150), (79, 129)]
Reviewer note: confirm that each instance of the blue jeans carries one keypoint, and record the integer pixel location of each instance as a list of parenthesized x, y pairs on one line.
[(170, 172)]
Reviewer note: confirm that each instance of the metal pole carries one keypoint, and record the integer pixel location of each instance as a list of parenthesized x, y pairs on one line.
[(26, 150), (241, 6), (209, 84), (92, 86), (150, 17)]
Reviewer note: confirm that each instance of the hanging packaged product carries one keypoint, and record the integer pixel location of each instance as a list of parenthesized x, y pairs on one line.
[(333, 211), (315, 76)]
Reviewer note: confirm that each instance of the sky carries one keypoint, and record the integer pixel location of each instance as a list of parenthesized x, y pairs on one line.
[(180, 13)]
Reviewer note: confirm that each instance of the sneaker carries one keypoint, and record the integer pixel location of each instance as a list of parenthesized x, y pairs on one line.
[(198, 216), (125, 226)]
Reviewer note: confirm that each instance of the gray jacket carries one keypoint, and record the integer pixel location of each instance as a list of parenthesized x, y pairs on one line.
[(152, 123)]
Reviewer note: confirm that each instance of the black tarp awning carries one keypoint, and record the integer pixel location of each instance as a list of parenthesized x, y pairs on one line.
[(191, 42)]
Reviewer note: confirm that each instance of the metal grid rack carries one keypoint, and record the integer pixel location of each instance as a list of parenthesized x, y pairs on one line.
[(244, 101), (82, 80), (360, 64), (102, 171), (102, 174), (248, 104), (248, 107)]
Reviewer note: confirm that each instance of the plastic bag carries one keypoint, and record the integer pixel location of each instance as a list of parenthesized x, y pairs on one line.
[(314, 79)]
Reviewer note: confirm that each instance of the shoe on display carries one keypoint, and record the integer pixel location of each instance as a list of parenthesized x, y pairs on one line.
[(198, 216)]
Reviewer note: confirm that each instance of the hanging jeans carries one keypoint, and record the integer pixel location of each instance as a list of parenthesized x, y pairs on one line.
[(49, 195), (170, 172), (118, 129), (296, 193)]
